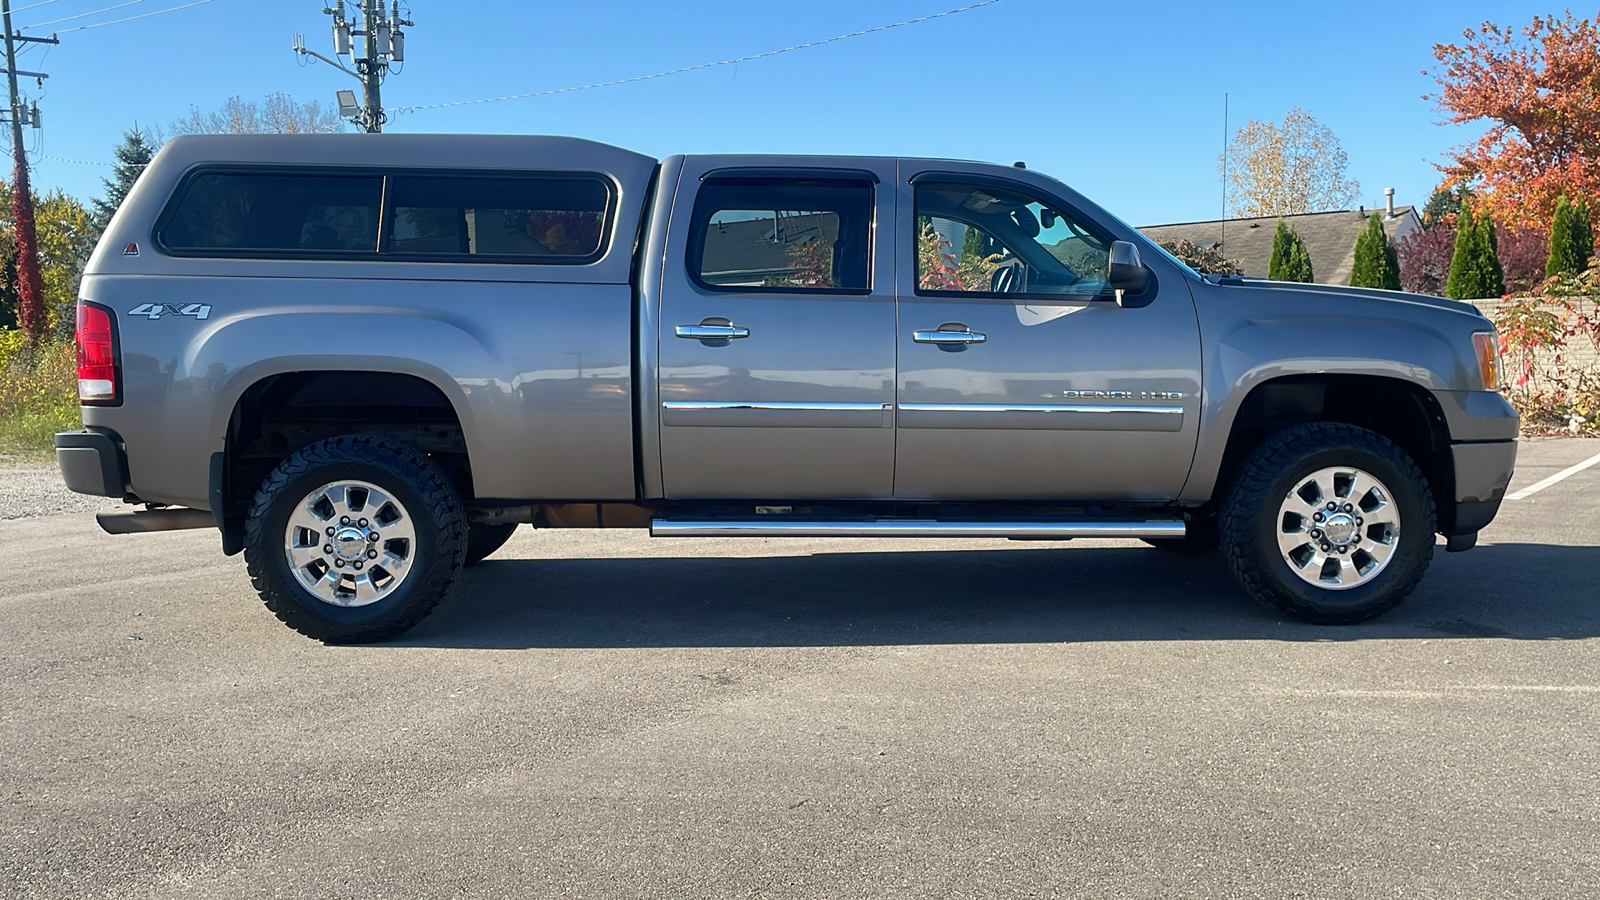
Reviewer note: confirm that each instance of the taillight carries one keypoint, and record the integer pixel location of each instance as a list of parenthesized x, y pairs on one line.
[(97, 356)]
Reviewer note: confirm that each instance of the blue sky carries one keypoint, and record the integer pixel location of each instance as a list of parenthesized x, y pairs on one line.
[(1121, 100)]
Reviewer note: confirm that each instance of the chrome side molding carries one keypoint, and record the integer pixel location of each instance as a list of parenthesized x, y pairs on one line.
[(893, 528), (776, 414), (1070, 409), (1043, 416)]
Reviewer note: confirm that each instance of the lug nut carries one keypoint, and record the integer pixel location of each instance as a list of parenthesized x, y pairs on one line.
[(1358, 521), (330, 531), (1348, 507), (373, 537), (345, 520), (327, 548), (357, 565), (338, 564), (1316, 534), (1326, 547), (362, 523), (372, 554), (1318, 517), (1332, 506)]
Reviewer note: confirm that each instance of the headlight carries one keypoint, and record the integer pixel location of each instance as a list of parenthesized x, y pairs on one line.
[(1487, 348)]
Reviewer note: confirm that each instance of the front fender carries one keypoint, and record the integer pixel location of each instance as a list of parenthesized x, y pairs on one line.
[(1252, 336)]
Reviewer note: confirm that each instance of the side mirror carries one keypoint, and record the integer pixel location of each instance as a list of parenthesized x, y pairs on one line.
[(1127, 272)]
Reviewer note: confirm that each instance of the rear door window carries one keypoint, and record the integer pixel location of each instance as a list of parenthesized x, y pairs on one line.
[(262, 213), (548, 219)]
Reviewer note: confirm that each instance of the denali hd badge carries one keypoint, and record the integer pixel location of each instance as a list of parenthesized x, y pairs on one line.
[(153, 311), (1122, 395)]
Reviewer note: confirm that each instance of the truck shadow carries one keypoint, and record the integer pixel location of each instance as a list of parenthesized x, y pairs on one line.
[(1517, 591)]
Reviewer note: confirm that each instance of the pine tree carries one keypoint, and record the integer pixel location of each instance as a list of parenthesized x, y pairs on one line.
[(1376, 263), (1300, 262), (1391, 275), (1583, 231), (1282, 249), (132, 155), (1561, 239), (1290, 260), (1493, 275), (1475, 272), (1462, 267), (976, 245)]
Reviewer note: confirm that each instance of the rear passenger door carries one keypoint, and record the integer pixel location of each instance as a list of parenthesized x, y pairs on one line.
[(776, 349)]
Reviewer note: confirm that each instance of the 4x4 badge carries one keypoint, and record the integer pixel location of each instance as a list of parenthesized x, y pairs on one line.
[(153, 311)]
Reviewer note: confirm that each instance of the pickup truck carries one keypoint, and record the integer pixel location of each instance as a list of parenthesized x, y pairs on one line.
[(365, 359)]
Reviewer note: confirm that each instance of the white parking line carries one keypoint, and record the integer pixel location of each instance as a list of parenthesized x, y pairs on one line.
[(1562, 475)]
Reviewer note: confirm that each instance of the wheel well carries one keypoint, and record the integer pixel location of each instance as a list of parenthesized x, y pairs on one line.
[(1401, 411), (280, 414)]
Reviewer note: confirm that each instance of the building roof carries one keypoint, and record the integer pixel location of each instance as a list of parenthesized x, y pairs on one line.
[(1330, 238)]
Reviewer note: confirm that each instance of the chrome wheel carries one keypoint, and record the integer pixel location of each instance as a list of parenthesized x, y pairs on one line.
[(1338, 528), (350, 543)]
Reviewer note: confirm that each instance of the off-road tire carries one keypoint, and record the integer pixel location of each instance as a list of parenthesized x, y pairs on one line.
[(1248, 521), (484, 539), (414, 480)]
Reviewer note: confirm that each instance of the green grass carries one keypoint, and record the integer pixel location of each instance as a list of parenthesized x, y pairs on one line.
[(38, 397)]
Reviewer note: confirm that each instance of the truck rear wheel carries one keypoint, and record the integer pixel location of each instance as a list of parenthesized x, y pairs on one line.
[(355, 539), (1329, 523), (484, 539)]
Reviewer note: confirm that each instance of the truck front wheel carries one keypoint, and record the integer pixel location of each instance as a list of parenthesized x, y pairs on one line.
[(355, 539), (1329, 523)]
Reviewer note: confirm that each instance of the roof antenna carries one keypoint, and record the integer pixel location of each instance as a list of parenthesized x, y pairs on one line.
[(1222, 245)]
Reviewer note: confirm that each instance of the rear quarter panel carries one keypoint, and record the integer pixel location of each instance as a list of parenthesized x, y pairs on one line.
[(539, 374)]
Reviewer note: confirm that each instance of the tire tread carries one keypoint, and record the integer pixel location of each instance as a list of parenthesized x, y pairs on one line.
[(1250, 487), (420, 473)]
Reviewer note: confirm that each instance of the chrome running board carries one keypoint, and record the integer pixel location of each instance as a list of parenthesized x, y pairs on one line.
[(907, 528)]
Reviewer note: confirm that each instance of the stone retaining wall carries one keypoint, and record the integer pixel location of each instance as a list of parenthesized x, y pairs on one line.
[(1580, 352)]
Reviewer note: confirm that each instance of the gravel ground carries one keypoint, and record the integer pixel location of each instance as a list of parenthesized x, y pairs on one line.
[(29, 491)]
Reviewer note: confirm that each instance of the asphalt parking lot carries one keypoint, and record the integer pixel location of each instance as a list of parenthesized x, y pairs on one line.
[(605, 715)]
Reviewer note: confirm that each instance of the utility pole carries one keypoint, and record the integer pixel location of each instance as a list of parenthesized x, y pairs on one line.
[(31, 313), (383, 43)]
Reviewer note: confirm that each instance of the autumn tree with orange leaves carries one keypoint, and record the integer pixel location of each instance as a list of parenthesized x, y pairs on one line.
[(1538, 88)]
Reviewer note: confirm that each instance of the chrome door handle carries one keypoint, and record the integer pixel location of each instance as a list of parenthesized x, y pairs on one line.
[(949, 335), (711, 332)]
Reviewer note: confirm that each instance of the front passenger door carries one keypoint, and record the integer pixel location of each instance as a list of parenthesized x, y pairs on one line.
[(1020, 375)]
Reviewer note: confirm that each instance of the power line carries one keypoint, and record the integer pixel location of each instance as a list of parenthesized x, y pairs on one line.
[(82, 15), (82, 162), (695, 68), (34, 6), (159, 12)]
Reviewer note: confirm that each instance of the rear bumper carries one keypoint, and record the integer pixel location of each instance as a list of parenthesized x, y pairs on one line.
[(1483, 471), (92, 462)]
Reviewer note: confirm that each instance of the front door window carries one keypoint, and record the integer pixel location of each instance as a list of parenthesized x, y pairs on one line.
[(976, 239)]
